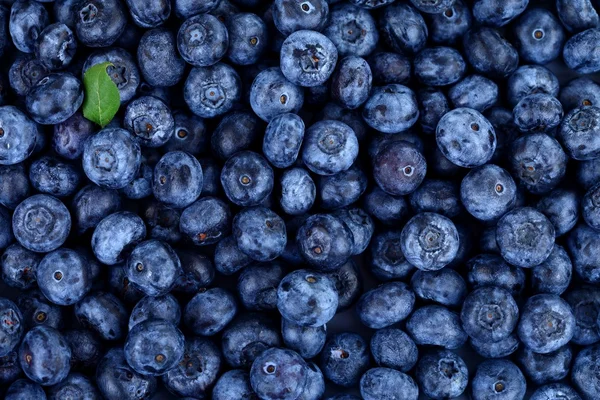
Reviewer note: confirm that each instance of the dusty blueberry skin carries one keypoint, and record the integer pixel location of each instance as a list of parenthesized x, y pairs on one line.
[(439, 66), (153, 347), (547, 323), (41, 223), (208, 312), (531, 79), (38, 311), (476, 92), (177, 179), (247, 178), (305, 340), (387, 262), (56, 46), (385, 305), (579, 92), (403, 28), (91, 204), (278, 374), (585, 302), (429, 241), (63, 276), (436, 325), (116, 235), (198, 272), (149, 15), (342, 189), (538, 113), (247, 337), (191, 134), (466, 137), (298, 191), (100, 23), (52, 176), (442, 374), (582, 373), (202, 40), (229, 258), (54, 98), (153, 267), (449, 25), (198, 370), (399, 168), (117, 380), (248, 38), (257, 286), (10, 370), (553, 275), (352, 30), (24, 389), (149, 121), (260, 233), (308, 58), (315, 383), (27, 20), (587, 173), (347, 281), (445, 287), (345, 358), (290, 16), (580, 53), (70, 136), (325, 242), (19, 266), (539, 36), (76, 385), (590, 210), (352, 118), (578, 133), (11, 326), (505, 129), (391, 109), (161, 307), (500, 349), (44, 355), (385, 208), (545, 368), (187, 8), (497, 12), (555, 391), (26, 72), (498, 379), (489, 314), (237, 131), (433, 105), (329, 147), (387, 383), (577, 15), (271, 94), (158, 59), (582, 244), (234, 384), (307, 298), (436, 195), (124, 72), (206, 221), (104, 314), (488, 192), (392, 348), (351, 82), (360, 224), (489, 53), (538, 161), (388, 67), (561, 207), (111, 158)]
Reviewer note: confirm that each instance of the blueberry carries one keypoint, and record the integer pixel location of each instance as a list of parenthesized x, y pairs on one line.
[(51, 176), (500, 349), (27, 20), (55, 47), (577, 133), (38, 311), (11, 326), (387, 209), (100, 23), (85, 348), (14, 185), (257, 286), (315, 383), (212, 91), (345, 358), (150, 121), (555, 391), (260, 233), (158, 59), (489, 53), (153, 267), (64, 277), (489, 314), (385, 305), (198, 272), (229, 258), (342, 189), (392, 348), (24, 389), (399, 168), (124, 71), (352, 30), (449, 25), (488, 192), (247, 337), (580, 92), (198, 370), (387, 67), (437, 326), (308, 58), (188, 8), (403, 28), (298, 191), (237, 131), (582, 374), (25, 73), (206, 221), (539, 36), (18, 136), (439, 66), (278, 374), (41, 223), (111, 158), (325, 242), (44, 355), (546, 368), (177, 179), (387, 383), (561, 207), (247, 178), (577, 15), (290, 16), (531, 79), (498, 379), (347, 281), (190, 135), (428, 286), (209, 311), (104, 314), (582, 243), (466, 137), (306, 340), (585, 304), (498, 13), (579, 52), (329, 147), (19, 267), (202, 40), (235, 384), (149, 15), (442, 374), (91, 204), (117, 380), (553, 275), (70, 136), (360, 224), (476, 92), (439, 196), (248, 38), (547, 323), (391, 109), (588, 173), (386, 256), (272, 94), (116, 235), (351, 83), (538, 113)]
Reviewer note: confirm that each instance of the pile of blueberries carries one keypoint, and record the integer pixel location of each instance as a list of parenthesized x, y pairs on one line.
[(301, 200)]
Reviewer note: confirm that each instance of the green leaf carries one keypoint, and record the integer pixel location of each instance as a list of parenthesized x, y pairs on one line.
[(102, 99)]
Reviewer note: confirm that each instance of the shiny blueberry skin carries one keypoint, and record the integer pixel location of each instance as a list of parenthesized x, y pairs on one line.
[(437, 326), (247, 337), (442, 374), (496, 379), (385, 305), (247, 178), (429, 241), (577, 15), (531, 79), (177, 179), (24, 389), (489, 314), (579, 52), (116, 235), (257, 286), (449, 25), (351, 82), (577, 133), (546, 368), (293, 15), (538, 161), (428, 286), (212, 91), (235, 384), (117, 380), (158, 59), (539, 36), (561, 207), (466, 137), (538, 113), (403, 28), (237, 131), (489, 53), (278, 374), (19, 267), (41, 223), (206, 221), (153, 267), (325, 242), (488, 192), (44, 355), (198, 272), (208, 312), (63, 276), (91, 204), (387, 383), (547, 323), (124, 72), (229, 258), (100, 23), (19, 135), (387, 260), (555, 391), (38, 311), (11, 326), (585, 303), (391, 109), (191, 134), (352, 30), (553, 275), (345, 358), (298, 191), (308, 58), (111, 158), (70, 136), (260, 233), (582, 374), (580, 92), (202, 40), (27, 20), (52, 176), (476, 92), (271, 94), (104, 314), (14, 185), (399, 168)]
